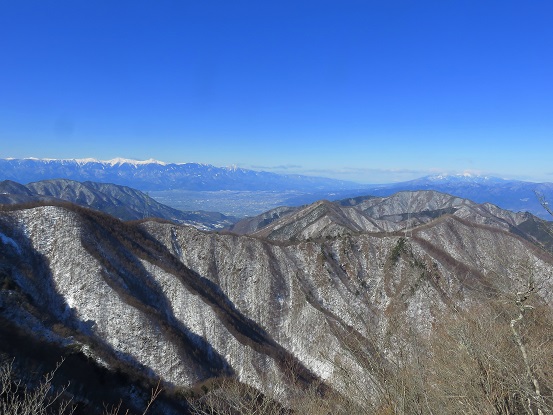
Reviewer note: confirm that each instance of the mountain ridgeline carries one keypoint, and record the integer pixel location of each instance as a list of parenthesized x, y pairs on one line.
[(399, 213), (338, 305), (513, 195), (156, 175), (119, 201), (184, 186)]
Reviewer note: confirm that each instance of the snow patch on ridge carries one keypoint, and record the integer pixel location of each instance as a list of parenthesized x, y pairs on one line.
[(119, 160), (465, 176), (82, 161)]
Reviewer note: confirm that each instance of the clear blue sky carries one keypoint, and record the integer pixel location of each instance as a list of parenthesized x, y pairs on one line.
[(371, 91)]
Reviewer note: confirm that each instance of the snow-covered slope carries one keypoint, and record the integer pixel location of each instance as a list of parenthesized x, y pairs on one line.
[(400, 212), (162, 300)]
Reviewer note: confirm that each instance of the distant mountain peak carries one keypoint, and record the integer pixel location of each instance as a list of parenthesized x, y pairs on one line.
[(120, 160), (86, 160), (466, 176)]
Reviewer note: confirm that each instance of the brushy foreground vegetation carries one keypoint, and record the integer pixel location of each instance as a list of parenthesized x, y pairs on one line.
[(492, 359), (495, 358)]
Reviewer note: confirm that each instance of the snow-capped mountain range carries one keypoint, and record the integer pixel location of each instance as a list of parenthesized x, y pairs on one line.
[(112, 162), (154, 175), (463, 177)]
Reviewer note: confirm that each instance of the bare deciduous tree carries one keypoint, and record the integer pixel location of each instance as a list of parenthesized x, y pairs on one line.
[(16, 398)]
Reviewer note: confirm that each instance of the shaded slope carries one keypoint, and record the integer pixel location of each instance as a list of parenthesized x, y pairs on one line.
[(253, 224), (119, 201), (112, 284)]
